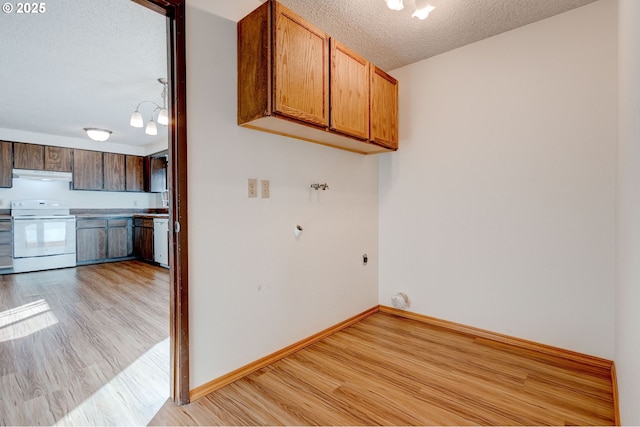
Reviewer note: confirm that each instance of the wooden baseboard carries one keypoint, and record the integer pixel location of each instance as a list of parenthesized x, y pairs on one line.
[(227, 379), (616, 403), (573, 356)]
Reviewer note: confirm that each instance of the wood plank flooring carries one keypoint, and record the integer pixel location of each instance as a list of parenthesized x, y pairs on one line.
[(386, 370), (84, 346)]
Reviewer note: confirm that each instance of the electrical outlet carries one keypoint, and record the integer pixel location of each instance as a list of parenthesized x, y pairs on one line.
[(252, 187), (265, 188)]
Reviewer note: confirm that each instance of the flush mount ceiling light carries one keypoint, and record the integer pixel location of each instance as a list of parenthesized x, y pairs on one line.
[(163, 113), (422, 9), (98, 135)]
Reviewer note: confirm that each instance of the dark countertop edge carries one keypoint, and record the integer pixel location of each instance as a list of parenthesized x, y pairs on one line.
[(122, 215)]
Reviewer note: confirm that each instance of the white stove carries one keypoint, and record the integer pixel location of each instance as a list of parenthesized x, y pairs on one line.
[(44, 235)]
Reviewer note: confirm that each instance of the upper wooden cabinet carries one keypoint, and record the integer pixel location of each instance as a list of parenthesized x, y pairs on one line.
[(41, 157), (283, 82), (349, 91), (157, 173), (114, 171), (57, 159), (88, 170), (28, 156), (301, 68), (384, 109), (134, 173), (6, 164)]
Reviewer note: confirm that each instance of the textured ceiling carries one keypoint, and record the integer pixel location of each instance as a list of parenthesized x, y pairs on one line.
[(88, 63), (392, 39), (82, 63)]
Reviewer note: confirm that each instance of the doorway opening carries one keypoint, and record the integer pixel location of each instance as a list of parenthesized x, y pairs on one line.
[(174, 10)]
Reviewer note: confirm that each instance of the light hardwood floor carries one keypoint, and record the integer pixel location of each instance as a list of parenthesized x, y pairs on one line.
[(84, 346), (387, 370)]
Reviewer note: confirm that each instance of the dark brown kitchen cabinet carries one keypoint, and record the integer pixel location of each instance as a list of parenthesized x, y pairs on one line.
[(103, 239), (114, 171), (91, 240), (28, 156), (143, 238), (134, 173), (157, 166), (119, 238), (6, 244), (87, 170), (41, 157), (57, 159), (6, 164)]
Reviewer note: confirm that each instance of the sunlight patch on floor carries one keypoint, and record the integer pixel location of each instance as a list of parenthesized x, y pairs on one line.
[(26, 319), (132, 397)]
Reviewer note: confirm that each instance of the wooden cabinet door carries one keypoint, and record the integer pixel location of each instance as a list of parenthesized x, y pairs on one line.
[(6, 164), (91, 240), (6, 240), (301, 69), (134, 173), (157, 174), (114, 171), (349, 92), (57, 159), (120, 238), (87, 170), (384, 109), (143, 239), (28, 156)]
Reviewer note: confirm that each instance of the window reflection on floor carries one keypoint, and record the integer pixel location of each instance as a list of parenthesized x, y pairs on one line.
[(132, 397)]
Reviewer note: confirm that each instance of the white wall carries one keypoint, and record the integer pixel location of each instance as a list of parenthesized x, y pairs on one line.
[(254, 288), (498, 209), (28, 189), (628, 233)]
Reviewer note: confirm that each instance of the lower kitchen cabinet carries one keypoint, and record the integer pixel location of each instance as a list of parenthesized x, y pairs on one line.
[(119, 236), (103, 239), (143, 238), (6, 241)]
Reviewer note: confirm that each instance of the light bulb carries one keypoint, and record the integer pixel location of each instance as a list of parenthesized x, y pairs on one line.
[(423, 12), (151, 129), (395, 4), (163, 116), (136, 119)]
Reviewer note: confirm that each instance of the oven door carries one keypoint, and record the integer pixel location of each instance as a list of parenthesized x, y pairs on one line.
[(43, 236)]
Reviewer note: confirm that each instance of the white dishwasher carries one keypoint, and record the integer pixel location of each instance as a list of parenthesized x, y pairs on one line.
[(161, 241)]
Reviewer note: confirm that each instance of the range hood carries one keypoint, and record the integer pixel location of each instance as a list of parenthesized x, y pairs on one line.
[(42, 175)]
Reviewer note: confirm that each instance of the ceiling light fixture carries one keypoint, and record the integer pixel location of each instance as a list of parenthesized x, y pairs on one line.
[(394, 4), (163, 113), (423, 9), (98, 135)]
